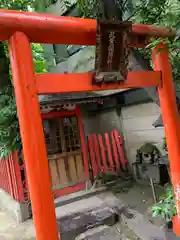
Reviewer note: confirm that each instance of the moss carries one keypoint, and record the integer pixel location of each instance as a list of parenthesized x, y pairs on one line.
[(149, 148)]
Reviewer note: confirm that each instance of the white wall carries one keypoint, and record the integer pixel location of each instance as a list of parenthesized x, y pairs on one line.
[(137, 127)]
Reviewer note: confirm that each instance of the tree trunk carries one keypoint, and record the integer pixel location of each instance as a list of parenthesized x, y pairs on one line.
[(114, 10), (4, 69), (111, 9), (139, 63)]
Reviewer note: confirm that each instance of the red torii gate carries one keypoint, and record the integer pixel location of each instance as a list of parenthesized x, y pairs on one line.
[(21, 28)]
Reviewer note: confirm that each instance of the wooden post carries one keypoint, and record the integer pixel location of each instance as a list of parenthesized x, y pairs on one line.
[(167, 97), (32, 137), (82, 140)]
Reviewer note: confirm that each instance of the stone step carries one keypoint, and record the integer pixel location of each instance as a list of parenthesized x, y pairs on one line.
[(101, 233), (77, 196), (77, 217), (78, 206)]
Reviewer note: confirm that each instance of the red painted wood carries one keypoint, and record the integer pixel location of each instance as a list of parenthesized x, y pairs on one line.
[(115, 152), (48, 28), (27, 195), (170, 116), (92, 155), (97, 153), (4, 176), (103, 154), (69, 190), (8, 182), (22, 28), (19, 183), (1, 175), (12, 180), (58, 114), (108, 146), (82, 139), (6, 186), (14, 177), (31, 130), (77, 113), (119, 144), (50, 83), (2, 168)]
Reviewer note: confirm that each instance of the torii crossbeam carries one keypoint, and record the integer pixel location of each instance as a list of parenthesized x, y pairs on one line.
[(21, 28)]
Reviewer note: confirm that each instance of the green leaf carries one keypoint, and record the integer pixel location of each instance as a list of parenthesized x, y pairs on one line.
[(166, 207)]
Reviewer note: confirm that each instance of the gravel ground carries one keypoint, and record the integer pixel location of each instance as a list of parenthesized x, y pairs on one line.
[(139, 197)]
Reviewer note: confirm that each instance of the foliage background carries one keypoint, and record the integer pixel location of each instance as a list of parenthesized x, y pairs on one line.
[(10, 139), (156, 12)]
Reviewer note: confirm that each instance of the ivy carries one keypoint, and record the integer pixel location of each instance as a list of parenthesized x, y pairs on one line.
[(38, 58), (166, 207), (9, 127), (173, 47), (162, 13), (90, 8), (10, 139)]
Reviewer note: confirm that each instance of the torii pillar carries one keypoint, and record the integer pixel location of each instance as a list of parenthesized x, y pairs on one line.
[(170, 115)]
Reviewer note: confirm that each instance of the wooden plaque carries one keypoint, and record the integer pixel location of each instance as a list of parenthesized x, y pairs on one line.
[(112, 50)]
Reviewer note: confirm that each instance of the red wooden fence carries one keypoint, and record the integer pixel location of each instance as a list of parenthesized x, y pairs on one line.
[(106, 154), (12, 178)]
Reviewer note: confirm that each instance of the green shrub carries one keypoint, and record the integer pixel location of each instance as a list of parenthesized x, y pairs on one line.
[(166, 207)]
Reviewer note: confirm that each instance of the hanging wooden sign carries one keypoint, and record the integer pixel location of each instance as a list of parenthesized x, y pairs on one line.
[(112, 51)]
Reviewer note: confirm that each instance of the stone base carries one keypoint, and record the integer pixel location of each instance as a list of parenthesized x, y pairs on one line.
[(19, 211)]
